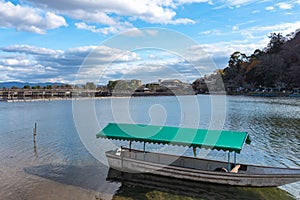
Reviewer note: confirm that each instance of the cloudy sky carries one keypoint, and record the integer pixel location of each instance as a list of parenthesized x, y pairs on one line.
[(74, 41)]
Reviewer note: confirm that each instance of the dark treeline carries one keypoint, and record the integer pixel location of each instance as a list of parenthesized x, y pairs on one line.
[(275, 66)]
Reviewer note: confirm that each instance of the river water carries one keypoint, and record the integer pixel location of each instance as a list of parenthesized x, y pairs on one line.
[(67, 162)]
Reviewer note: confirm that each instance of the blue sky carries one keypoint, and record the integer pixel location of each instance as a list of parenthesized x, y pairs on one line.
[(46, 40)]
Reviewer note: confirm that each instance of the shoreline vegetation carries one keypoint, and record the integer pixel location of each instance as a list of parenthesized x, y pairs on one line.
[(271, 72)]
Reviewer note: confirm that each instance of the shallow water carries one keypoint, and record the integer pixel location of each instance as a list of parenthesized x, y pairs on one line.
[(59, 166)]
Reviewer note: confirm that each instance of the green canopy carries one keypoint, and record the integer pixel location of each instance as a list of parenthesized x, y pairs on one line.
[(202, 138)]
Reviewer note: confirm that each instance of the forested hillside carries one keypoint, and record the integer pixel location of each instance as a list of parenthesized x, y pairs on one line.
[(276, 66)]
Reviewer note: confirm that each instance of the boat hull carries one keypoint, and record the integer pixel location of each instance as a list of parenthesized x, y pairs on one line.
[(199, 169)]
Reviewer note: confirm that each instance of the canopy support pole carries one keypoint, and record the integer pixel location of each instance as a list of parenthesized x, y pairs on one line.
[(129, 146), (144, 151), (234, 158), (228, 162), (195, 152), (121, 158)]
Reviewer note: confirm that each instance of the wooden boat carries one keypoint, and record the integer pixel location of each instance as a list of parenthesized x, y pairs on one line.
[(189, 168)]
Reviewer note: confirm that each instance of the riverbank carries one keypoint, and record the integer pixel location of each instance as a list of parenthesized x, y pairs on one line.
[(147, 95), (28, 95), (265, 94)]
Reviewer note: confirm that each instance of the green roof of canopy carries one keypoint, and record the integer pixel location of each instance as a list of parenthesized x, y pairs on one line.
[(202, 138)]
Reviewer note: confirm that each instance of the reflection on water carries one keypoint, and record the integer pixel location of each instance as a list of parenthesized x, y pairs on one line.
[(89, 177), (58, 165), (163, 187)]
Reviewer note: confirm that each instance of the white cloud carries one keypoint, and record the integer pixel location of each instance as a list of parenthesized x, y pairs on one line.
[(227, 48), (17, 61), (103, 12), (194, 1), (284, 5), (270, 8), (284, 28), (152, 68), (152, 56), (235, 28), (238, 3), (211, 32), (281, 5), (134, 32), (255, 38), (110, 63), (181, 21), (219, 53), (28, 19), (105, 30), (152, 32), (52, 21), (102, 62), (21, 68), (30, 63), (256, 33), (27, 49), (96, 16)]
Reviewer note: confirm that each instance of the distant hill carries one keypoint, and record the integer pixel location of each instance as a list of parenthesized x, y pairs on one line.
[(22, 84), (276, 66)]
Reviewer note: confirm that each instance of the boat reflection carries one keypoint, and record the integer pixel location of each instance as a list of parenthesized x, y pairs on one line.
[(90, 177), (158, 187)]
